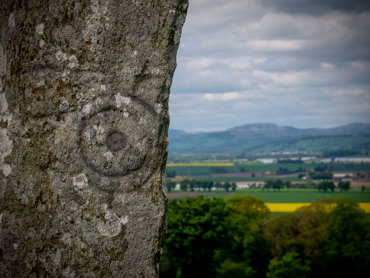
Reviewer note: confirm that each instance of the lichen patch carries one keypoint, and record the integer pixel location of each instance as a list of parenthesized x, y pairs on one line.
[(64, 106), (6, 148), (41, 43), (158, 108), (40, 29), (60, 56), (3, 104), (108, 155), (7, 170), (80, 181), (121, 100), (73, 62), (87, 109), (112, 224), (11, 21)]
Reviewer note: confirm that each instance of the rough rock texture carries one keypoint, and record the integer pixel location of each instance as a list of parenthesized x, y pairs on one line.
[(83, 135)]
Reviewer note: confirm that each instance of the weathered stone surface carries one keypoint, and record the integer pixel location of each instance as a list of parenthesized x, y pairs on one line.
[(84, 93)]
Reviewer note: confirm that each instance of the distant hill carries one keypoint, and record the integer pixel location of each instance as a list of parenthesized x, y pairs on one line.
[(176, 133), (267, 138)]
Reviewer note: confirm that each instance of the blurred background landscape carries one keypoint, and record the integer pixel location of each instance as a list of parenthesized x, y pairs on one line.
[(268, 171)]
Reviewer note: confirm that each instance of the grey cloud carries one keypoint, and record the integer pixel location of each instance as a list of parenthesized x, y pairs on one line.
[(318, 6), (261, 63)]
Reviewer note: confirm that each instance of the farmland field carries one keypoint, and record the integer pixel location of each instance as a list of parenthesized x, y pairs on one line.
[(198, 169), (288, 200), (291, 207), (303, 195), (241, 179), (203, 164), (284, 196)]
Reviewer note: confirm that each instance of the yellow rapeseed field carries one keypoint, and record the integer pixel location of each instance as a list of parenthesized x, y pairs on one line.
[(365, 207), (291, 207), (216, 164)]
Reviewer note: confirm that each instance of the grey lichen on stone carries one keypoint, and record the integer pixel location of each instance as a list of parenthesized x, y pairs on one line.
[(84, 88)]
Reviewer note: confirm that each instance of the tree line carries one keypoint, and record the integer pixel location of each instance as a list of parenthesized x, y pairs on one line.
[(278, 184), (237, 237), (201, 185)]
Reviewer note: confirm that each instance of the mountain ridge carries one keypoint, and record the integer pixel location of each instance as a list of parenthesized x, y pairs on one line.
[(251, 138)]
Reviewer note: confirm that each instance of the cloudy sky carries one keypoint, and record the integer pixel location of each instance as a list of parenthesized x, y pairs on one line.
[(304, 63)]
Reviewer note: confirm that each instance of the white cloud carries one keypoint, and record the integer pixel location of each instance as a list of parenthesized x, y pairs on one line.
[(241, 61), (327, 66), (276, 45), (283, 78), (348, 92), (199, 63), (221, 96), (358, 65)]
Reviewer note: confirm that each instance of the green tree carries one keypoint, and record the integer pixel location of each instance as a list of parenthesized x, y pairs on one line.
[(198, 184), (204, 185), (290, 265), (347, 251), (218, 185), (247, 242), (209, 185), (344, 185), (184, 184), (227, 186), (301, 232), (170, 185), (197, 237), (230, 269), (233, 186), (287, 184), (325, 186), (322, 176), (278, 184), (192, 185), (268, 184)]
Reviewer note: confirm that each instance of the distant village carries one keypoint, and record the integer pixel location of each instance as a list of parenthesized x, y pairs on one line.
[(218, 180)]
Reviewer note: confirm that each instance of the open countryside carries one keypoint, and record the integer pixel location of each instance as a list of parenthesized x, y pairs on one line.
[(283, 213), (279, 91), (300, 180)]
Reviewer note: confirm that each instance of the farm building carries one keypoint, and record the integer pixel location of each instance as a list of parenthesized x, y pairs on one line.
[(338, 177)]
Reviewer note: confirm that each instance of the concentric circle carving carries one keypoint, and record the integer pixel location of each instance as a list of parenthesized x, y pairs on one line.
[(118, 141)]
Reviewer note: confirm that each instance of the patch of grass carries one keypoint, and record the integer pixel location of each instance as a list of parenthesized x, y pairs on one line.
[(196, 169), (302, 195)]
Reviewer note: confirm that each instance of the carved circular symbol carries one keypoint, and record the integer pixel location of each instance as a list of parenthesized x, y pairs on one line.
[(116, 142)]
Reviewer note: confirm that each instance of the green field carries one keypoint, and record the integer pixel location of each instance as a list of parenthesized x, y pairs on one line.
[(301, 195), (295, 195), (255, 167), (237, 179)]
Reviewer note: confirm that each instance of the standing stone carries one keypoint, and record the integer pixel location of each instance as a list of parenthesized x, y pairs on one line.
[(83, 135)]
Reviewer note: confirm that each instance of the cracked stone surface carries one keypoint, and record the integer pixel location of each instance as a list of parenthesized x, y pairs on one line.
[(84, 89)]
